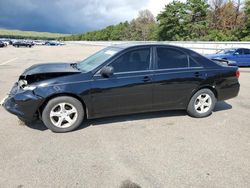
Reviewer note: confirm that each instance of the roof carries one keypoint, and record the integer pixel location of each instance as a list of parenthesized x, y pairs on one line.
[(129, 45)]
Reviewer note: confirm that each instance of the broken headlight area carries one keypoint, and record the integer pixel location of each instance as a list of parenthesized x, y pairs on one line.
[(23, 84)]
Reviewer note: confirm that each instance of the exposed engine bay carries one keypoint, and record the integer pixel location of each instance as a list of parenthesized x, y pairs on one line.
[(29, 79)]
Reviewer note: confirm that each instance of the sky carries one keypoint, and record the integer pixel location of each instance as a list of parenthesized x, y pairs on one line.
[(71, 16)]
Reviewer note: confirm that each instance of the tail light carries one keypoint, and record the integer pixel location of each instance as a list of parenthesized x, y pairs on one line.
[(237, 73)]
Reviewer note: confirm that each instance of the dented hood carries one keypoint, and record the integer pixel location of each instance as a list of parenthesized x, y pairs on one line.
[(40, 72), (50, 68)]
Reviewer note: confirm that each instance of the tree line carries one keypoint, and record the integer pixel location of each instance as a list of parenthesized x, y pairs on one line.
[(17, 34), (219, 20)]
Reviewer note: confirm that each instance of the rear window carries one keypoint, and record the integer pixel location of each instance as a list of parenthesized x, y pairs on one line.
[(193, 63), (247, 51), (171, 58), (201, 60)]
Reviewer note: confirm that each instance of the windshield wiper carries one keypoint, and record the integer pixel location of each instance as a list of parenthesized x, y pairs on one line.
[(75, 66)]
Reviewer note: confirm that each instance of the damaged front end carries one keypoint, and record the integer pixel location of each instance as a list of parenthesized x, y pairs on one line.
[(23, 100), (25, 80)]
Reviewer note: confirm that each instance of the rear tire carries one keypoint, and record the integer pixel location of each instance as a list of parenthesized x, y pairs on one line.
[(63, 114), (201, 104)]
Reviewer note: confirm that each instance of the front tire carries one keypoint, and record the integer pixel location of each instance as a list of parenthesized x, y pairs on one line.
[(63, 114), (201, 104)]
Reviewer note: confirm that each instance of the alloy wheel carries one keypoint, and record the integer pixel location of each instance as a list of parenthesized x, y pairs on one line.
[(63, 115), (203, 103)]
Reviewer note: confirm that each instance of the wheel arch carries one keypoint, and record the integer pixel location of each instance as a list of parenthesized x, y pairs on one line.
[(42, 106), (208, 87), (215, 92)]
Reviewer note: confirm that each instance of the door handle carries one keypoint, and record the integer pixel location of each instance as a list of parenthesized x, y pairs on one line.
[(146, 79), (197, 74)]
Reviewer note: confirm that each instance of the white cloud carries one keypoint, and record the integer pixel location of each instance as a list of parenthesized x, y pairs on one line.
[(156, 6)]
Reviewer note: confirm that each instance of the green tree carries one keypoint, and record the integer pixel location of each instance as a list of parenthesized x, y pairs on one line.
[(183, 21), (172, 21), (246, 30), (197, 23)]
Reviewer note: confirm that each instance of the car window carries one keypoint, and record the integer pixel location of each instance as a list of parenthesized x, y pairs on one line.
[(247, 51), (240, 51), (193, 63), (97, 59), (171, 58), (135, 60)]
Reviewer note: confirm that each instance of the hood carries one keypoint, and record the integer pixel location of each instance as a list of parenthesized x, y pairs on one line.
[(41, 72), (50, 68)]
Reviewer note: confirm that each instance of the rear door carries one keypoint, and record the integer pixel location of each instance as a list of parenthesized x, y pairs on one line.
[(176, 76), (246, 60)]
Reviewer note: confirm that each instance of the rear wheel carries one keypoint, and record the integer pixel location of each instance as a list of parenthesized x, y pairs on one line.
[(63, 114), (202, 103)]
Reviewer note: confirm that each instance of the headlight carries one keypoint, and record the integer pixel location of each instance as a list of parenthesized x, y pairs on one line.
[(29, 87), (22, 83)]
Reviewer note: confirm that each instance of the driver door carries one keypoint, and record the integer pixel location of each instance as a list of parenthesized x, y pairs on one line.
[(129, 89), (238, 57)]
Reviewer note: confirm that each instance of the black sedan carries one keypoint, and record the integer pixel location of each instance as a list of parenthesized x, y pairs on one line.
[(23, 43), (121, 79), (2, 44)]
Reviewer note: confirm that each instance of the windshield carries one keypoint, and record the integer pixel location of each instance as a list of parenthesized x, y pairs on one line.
[(226, 51), (97, 59)]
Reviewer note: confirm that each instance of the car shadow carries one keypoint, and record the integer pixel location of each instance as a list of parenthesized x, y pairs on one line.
[(132, 117), (38, 125), (220, 106)]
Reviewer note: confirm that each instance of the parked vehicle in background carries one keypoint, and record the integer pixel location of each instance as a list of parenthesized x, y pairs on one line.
[(54, 43), (240, 56), (39, 42), (5, 41), (121, 79), (23, 43), (2, 44)]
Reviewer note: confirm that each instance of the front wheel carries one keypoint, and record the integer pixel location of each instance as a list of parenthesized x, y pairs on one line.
[(63, 114), (201, 104)]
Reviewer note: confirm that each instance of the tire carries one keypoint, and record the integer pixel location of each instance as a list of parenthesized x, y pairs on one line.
[(63, 114), (201, 104)]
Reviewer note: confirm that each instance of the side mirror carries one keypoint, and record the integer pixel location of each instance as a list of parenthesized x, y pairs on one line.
[(236, 53), (107, 71)]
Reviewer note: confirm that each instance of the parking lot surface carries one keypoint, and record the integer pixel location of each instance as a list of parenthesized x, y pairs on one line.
[(160, 149)]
